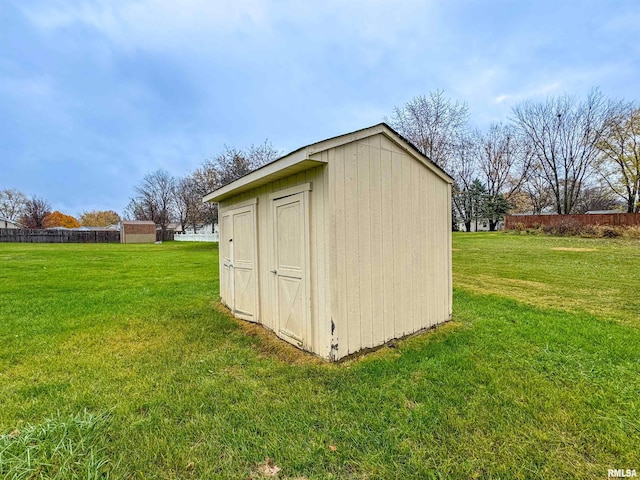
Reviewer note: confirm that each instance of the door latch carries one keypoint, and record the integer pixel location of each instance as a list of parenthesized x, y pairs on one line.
[(274, 271)]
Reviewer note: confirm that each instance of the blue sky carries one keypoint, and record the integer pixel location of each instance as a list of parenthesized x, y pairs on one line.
[(95, 94)]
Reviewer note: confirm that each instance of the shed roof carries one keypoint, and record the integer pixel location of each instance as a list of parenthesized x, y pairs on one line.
[(299, 160)]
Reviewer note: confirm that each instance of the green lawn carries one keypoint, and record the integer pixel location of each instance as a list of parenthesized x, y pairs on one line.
[(116, 362)]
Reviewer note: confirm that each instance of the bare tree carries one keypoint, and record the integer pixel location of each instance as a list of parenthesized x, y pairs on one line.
[(563, 135), (263, 153), (224, 168), (234, 163), (188, 202), (35, 211), (12, 203), (154, 199), (537, 191), (433, 124), (463, 169), (504, 163), (502, 159), (619, 162), (597, 196), (206, 180)]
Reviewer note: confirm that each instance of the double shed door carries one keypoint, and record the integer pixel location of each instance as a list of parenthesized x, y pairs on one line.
[(291, 249), (238, 262)]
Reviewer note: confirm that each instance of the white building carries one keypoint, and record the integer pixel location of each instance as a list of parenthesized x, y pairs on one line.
[(6, 223)]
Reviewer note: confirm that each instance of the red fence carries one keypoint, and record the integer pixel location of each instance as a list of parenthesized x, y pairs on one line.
[(532, 221)]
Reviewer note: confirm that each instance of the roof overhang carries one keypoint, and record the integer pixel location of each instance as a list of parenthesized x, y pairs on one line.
[(293, 163), (299, 160)]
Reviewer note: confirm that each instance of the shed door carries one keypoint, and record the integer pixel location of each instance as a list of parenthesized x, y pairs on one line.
[(243, 246), (290, 244), (225, 261), (239, 282)]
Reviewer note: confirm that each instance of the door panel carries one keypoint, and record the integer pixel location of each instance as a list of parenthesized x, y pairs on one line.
[(291, 307), (244, 264), (289, 239), (245, 293), (238, 247), (290, 268), (225, 261)]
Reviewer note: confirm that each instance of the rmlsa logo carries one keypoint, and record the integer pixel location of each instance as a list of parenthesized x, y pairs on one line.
[(622, 473)]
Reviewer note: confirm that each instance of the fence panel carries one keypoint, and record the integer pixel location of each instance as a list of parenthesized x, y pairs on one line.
[(197, 237), (58, 236), (167, 237), (533, 221)]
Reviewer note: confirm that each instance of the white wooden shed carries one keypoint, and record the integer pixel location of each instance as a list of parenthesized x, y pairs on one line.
[(341, 245)]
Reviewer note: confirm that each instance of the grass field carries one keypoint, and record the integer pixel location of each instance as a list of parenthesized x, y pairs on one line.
[(115, 362)]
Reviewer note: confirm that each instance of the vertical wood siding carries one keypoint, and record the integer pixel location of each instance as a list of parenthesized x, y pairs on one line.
[(390, 230)]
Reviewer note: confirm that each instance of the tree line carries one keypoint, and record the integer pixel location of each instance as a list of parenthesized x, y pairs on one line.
[(562, 155), (36, 212), (164, 198)]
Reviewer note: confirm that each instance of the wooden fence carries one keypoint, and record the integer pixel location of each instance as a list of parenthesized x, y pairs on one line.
[(533, 221), (58, 236), (167, 237)]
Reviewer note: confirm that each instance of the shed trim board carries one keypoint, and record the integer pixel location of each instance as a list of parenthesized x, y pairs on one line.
[(245, 203), (284, 167), (305, 187), (350, 243)]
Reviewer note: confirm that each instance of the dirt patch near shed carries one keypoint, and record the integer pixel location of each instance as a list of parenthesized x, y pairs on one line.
[(269, 344), (572, 249)]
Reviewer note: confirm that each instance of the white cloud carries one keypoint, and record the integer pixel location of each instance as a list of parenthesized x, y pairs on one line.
[(531, 92), (152, 24), (200, 25)]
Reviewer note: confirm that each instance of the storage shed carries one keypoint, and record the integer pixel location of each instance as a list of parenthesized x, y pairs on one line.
[(341, 245), (137, 231)]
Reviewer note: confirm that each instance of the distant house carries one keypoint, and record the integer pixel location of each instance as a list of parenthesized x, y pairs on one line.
[(6, 223), (601, 212), (482, 225), (201, 228), (202, 233), (96, 229)]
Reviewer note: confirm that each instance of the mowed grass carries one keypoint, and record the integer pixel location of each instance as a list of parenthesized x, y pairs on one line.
[(117, 362), (594, 275)]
